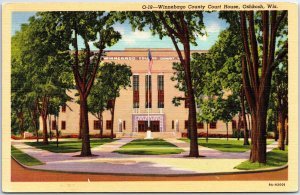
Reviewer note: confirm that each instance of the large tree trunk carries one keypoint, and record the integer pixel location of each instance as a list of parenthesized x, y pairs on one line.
[(287, 132), (246, 133), (194, 151), (281, 129), (188, 128), (20, 116), (256, 80), (183, 36), (258, 150), (101, 124), (112, 119), (239, 126), (80, 123), (275, 128), (85, 137), (227, 130), (207, 132), (45, 131), (50, 126), (56, 129)]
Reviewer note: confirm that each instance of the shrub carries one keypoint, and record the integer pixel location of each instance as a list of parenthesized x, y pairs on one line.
[(212, 135), (236, 133)]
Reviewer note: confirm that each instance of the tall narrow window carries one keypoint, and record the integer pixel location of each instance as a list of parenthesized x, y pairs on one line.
[(108, 124), (53, 124), (63, 125), (124, 125), (172, 124), (148, 84), (186, 102), (233, 124), (136, 98), (200, 125), (96, 124), (160, 87), (63, 108), (186, 124), (213, 125)]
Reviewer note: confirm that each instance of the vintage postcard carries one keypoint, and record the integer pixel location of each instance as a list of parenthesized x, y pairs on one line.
[(150, 97)]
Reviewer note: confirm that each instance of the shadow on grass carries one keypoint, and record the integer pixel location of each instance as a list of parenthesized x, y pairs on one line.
[(67, 146), (150, 151), (24, 158), (275, 158), (149, 147)]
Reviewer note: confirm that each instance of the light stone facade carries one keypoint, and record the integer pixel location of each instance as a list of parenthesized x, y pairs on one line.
[(171, 118)]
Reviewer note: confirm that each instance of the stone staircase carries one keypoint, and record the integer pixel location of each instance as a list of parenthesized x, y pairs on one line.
[(142, 135)]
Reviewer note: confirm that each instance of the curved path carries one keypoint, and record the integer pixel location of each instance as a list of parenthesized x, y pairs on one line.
[(18, 172), (107, 162)]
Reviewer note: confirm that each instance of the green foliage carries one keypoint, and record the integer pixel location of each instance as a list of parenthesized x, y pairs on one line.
[(154, 21), (237, 134), (149, 147), (231, 145), (111, 78), (24, 158), (275, 158), (115, 77), (38, 72), (66, 146)]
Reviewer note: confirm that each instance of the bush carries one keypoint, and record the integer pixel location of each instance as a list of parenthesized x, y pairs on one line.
[(236, 133), (212, 135), (16, 137)]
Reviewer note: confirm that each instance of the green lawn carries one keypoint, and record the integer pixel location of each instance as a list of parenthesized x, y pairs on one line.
[(24, 158), (67, 146), (275, 158), (224, 145), (149, 147)]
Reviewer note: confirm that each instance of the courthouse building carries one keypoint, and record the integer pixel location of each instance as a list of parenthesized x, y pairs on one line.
[(131, 108)]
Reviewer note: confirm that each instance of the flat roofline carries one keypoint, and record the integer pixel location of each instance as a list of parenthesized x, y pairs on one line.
[(152, 50)]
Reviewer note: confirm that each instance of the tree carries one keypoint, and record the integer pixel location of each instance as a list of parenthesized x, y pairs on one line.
[(257, 85), (93, 27), (280, 89), (183, 29), (37, 57), (208, 111), (228, 108), (98, 99), (115, 77)]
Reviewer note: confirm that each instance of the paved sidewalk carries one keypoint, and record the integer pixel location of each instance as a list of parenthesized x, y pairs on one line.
[(107, 161), (112, 146)]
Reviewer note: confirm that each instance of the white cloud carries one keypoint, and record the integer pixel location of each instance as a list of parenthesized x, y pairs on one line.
[(213, 27), (135, 36), (128, 39), (203, 38), (141, 34), (120, 29)]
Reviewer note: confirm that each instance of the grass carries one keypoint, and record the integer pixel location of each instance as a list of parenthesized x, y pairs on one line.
[(224, 145), (275, 158), (67, 146), (149, 147), (24, 158)]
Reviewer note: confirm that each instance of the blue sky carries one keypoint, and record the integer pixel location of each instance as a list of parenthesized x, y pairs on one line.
[(144, 39)]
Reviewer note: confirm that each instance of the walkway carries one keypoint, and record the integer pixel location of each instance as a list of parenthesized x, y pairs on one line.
[(106, 161)]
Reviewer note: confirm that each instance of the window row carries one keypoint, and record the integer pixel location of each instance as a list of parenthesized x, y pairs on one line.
[(53, 125), (97, 124), (200, 125), (148, 91)]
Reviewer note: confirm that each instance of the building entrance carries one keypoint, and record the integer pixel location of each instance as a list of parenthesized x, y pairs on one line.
[(140, 122), (143, 126)]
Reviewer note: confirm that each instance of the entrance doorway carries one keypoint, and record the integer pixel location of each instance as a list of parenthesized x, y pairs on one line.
[(143, 126)]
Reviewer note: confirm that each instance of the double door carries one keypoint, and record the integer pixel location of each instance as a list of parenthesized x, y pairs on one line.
[(143, 126)]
